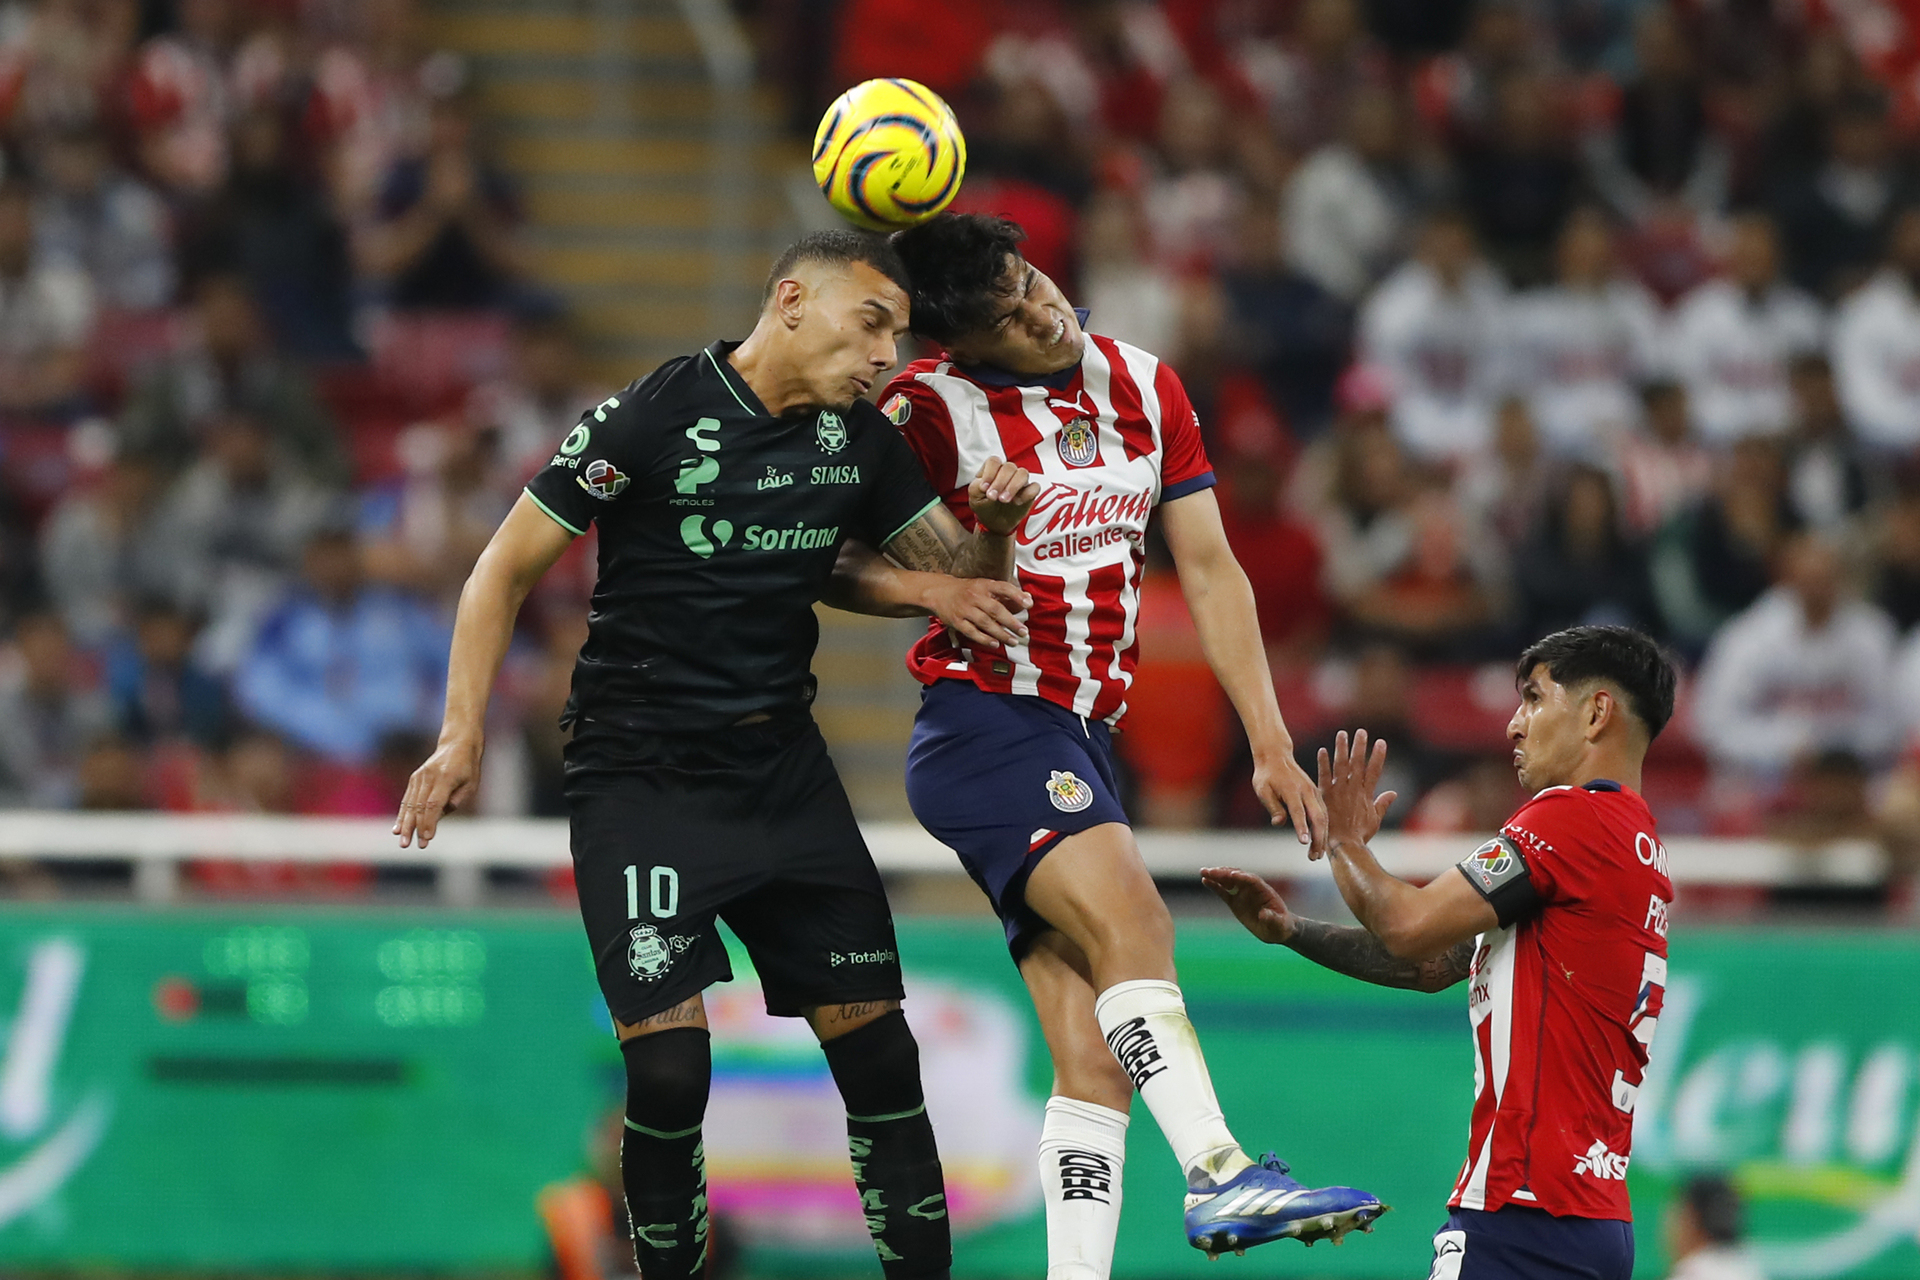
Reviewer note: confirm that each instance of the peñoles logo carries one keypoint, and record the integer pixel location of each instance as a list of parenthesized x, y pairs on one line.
[(1068, 521)]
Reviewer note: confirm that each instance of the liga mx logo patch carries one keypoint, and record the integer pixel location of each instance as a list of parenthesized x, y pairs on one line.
[(1079, 445), (1068, 793), (1493, 863), (604, 480)]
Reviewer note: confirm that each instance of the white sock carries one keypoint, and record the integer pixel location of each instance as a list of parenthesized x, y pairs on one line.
[(1082, 1148), (1145, 1023)]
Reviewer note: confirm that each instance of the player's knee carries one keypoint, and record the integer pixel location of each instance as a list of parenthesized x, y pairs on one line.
[(877, 1067), (669, 1074)]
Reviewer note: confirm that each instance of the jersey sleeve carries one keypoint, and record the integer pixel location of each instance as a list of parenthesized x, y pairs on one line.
[(1499, 873), (1185, 469), (923, 420), (898, 492), (593, 467), (1552, 832)]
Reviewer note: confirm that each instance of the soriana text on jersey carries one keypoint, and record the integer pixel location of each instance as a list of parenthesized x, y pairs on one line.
[(1107, 441)]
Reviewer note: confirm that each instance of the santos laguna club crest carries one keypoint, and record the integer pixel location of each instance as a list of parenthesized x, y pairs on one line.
[(1079, 446), (832, 432), (650, 954)]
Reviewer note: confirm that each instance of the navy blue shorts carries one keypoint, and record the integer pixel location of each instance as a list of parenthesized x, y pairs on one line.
[(1001, 779), (1518, 1243)]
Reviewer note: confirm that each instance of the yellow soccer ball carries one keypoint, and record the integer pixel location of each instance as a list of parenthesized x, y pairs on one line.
[(888, 154)]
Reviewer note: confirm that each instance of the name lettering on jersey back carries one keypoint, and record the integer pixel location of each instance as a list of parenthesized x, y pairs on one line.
[(1067, 520), (1651, 853), (1656, 914)]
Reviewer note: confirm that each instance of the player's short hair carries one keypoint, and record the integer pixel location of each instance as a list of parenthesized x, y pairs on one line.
[(1715, 1206), (958, 262), (838, 247), (1620, 656)]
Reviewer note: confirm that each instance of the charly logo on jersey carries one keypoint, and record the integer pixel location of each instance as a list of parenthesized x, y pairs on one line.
[(694, 533), (650, 953), (898, 409), (1068, 793), (831, 432), (1079, 444), (604, 480)]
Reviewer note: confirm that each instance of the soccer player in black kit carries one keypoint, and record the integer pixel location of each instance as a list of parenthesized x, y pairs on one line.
[(697, 784)]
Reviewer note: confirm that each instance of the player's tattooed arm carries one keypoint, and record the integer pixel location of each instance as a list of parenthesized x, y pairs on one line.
[(1353, 951), (983, 611), (1358, 954), (1000, 495)]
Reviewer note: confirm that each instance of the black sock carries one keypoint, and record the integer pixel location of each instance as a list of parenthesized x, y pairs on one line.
[(895, 1164), (663, 1165)]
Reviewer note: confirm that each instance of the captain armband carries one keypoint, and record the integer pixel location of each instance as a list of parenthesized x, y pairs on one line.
[(1499, 874)]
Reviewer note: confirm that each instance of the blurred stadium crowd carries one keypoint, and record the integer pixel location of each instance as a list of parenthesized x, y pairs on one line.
[(271, 371), (1501, 316)]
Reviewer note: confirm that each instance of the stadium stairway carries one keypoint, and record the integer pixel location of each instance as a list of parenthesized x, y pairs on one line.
[(653, 192)]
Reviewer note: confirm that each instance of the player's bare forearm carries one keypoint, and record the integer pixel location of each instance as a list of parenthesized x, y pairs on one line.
[(864, 581), (1220, 599), (984, 611), (938, 543), (1359, 954), (1382, 903)]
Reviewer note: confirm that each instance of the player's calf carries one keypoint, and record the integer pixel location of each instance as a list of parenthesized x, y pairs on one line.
[(663, 1166), (896, 1166)]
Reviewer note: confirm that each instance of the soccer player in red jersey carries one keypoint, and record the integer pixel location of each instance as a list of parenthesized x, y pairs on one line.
[(1560, 923), (1011, 763)]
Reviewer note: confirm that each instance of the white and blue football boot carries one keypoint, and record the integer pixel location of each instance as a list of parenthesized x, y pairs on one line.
[(1261, 1203)]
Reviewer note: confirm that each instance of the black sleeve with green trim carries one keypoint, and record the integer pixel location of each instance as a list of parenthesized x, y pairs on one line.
[(1499, 874), (897, 493), (591, 470)]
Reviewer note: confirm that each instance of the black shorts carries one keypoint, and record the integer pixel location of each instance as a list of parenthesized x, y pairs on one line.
[(748, 824)]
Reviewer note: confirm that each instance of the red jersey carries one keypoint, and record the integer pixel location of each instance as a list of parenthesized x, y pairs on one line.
[(1564, 1000), (1107, 441)]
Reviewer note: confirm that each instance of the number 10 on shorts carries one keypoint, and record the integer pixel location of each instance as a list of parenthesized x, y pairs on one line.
[(663, 892)]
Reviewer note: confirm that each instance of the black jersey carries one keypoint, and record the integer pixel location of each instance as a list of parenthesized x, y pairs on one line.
[(719, 527)]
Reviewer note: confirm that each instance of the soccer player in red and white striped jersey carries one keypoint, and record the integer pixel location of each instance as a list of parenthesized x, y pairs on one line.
[(1559, 922), (1011, 763)]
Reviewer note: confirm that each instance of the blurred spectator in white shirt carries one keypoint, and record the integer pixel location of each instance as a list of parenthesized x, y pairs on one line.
[(1308, 81), (1433, 327), (1350, 206), (1504, 488), (93, 216), (1578, 347), (48, 717), (47, 313), (98, 552), (1127, 295), (537, 403), (1830, 478), (423, 532), (1663, 468), (1732, 339), (1876, 345), (1806, 668), (234, 524), (1193, 202), (1703, 1232)]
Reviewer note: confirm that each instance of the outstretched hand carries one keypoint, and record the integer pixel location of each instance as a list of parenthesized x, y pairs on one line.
[(1254, 903), (1001, 495), (985, 611), (1347, 780), (1289, 795)]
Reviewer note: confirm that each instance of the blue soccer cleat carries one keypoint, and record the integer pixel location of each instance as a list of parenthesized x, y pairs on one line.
[(1262, 1203)]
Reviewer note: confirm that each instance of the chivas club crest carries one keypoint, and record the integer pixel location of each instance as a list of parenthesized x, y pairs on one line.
[(1068, 793), (1079, 445)]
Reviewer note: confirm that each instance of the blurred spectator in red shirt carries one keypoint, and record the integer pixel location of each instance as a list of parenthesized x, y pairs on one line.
[(1280, 556), (940, 45)]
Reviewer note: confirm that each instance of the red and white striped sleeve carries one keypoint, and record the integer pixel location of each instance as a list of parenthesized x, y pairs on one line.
[(919, 413), (1185, 468)]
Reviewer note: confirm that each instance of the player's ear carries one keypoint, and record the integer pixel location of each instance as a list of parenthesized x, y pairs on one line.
[(1602, 710), (789, 302)]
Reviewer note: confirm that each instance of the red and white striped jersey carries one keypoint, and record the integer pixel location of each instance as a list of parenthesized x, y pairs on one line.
[(1564, 1003), (1107, 441)]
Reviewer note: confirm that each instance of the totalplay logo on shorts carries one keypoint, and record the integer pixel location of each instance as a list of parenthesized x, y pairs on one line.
[(838, 958)]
